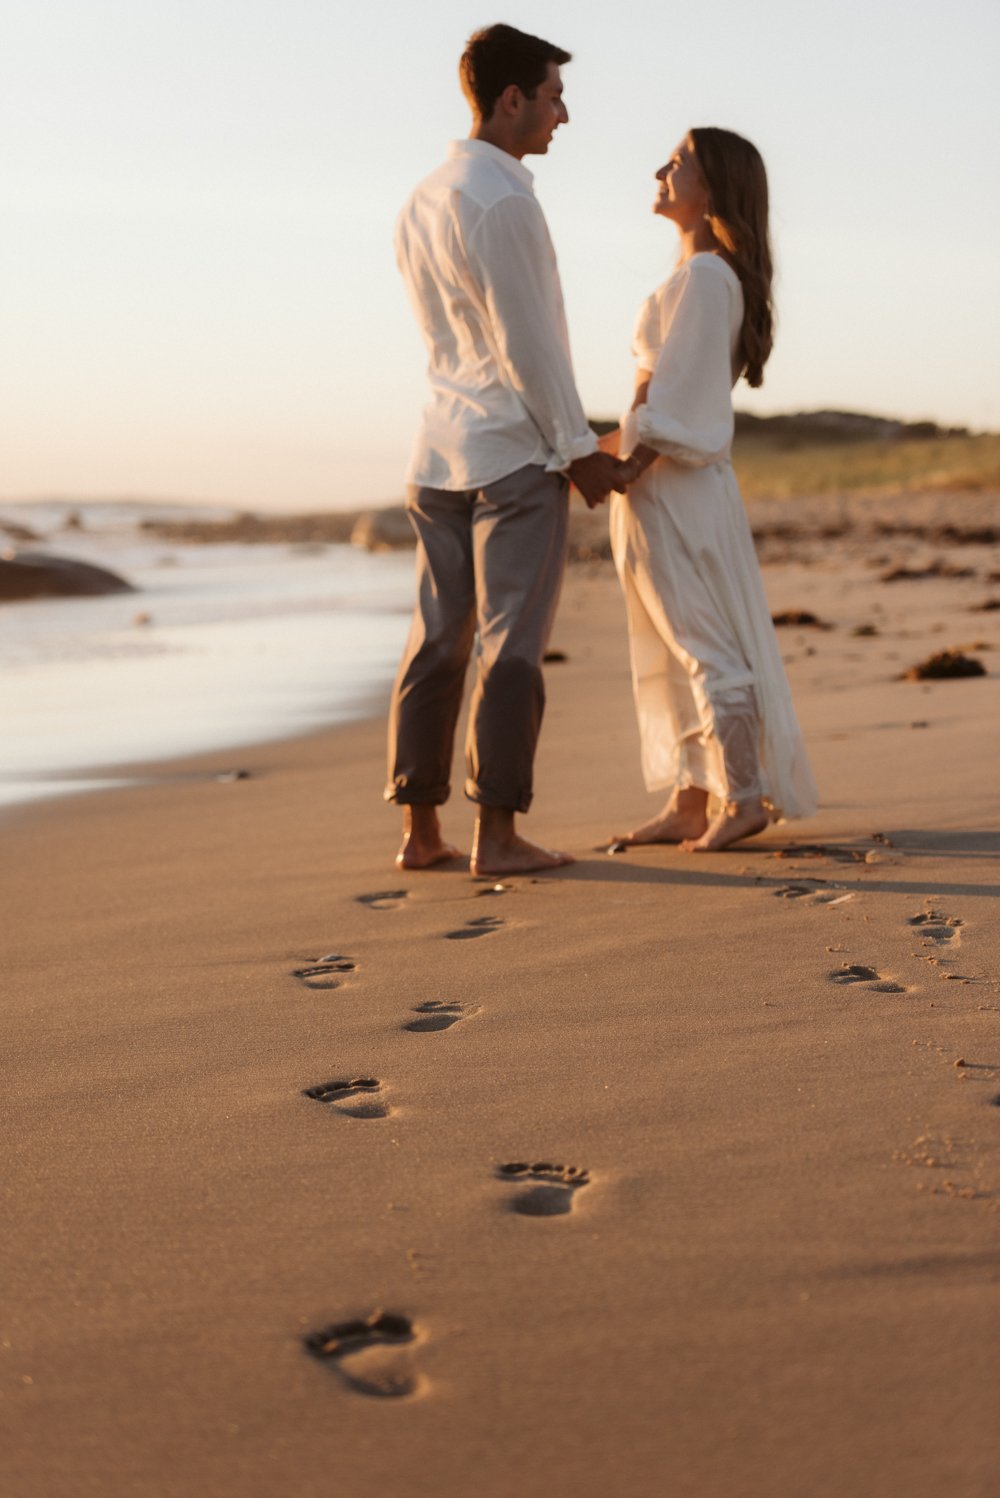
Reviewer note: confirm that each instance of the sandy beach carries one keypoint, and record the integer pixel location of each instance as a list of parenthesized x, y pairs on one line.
[(660, 1176)]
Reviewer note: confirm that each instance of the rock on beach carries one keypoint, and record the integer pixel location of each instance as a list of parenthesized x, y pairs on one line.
[(36, 574)]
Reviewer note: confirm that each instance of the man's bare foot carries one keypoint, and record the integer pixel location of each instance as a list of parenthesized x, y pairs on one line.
[(515, 857), (737, 820), (685, 817), (417, 855), (423, 846), (497, 848)]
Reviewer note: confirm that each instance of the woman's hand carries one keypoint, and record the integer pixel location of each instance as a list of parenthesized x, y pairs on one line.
[(634, 466), (609, 443)]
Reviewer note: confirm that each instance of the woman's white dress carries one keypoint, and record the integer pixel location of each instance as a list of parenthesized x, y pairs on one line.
[(711, 694)]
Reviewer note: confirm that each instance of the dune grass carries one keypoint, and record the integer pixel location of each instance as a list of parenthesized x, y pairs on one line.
[(766, 466)]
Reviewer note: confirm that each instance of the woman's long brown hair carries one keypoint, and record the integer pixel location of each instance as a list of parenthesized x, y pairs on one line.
[(737, 213)]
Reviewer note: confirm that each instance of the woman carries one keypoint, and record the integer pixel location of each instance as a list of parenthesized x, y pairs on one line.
[(715, 713)]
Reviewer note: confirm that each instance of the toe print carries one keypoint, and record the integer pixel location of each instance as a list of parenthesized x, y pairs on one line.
[(550, 1188), (356, 1097), (437, 1014), (373, 1355), (480, 927), (870, 977)]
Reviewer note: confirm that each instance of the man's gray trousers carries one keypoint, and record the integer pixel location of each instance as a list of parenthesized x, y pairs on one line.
[(489, 567)]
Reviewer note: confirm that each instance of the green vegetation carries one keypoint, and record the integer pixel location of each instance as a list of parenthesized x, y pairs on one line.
[(824, 452), (765, 467)]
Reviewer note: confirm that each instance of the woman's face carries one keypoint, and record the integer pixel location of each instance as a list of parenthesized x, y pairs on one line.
[(682, 194)]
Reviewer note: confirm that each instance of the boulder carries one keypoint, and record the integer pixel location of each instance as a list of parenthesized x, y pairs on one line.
[(18, 532), (388, 529), (35, 574)]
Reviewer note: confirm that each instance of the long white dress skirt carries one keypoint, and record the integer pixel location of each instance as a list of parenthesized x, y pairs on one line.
[(700, 633)]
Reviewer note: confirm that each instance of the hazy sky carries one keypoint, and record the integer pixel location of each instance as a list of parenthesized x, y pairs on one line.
[(199, 299)]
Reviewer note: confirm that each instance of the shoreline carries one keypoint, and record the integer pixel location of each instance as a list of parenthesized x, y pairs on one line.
[(211, 652), (922, 530), (228, 763), (775, 1270)]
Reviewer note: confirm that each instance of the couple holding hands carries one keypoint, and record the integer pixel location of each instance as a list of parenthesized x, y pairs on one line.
[(503, 436)]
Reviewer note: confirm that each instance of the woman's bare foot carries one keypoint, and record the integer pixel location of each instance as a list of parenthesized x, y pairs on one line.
[(685, 816), (497, 848), (423, 846), (738, 819)]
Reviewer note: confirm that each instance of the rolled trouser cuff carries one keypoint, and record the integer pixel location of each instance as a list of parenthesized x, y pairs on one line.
[(504, 800), (404, 794)]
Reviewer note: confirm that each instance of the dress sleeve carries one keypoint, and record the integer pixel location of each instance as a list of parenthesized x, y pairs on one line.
[(688, 415), (513, 257), (647, 336)]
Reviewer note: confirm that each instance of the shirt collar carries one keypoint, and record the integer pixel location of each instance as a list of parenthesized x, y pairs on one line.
[(487, 152)]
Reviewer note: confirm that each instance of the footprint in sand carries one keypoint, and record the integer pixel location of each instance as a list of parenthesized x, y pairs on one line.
[(438, 1014), (550, 1187), (813, 894), (343, 1091), (322, 973), (869, 976), (820, 850), (374, 1354), (384, 899), (941, 930), (480, 927)]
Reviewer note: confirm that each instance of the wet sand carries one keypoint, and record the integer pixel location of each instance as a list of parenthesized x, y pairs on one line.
[(655, 1175)]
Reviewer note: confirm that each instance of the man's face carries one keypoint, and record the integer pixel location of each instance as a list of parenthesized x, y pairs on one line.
[(539, 118)]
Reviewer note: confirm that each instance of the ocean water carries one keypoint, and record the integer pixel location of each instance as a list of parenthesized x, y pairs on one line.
[(220, 646)]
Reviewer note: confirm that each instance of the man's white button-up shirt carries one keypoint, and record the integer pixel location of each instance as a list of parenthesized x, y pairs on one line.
[(479, 266)]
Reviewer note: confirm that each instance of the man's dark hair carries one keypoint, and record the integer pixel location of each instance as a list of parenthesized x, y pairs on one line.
[(501, 55)]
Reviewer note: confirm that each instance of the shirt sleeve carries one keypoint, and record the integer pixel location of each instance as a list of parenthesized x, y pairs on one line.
[(688, 415), (512, 256)]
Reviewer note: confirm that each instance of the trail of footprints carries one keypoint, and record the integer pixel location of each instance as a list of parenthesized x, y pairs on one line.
[(942, 933), (939, 932), (374, 1354)]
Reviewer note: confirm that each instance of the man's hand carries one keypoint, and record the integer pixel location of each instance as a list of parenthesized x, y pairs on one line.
[(595, 476)]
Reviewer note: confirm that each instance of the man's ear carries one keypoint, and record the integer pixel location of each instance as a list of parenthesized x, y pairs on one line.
[(509, 102)]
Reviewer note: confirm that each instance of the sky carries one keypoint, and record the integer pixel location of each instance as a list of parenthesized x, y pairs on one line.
[(198, 297)]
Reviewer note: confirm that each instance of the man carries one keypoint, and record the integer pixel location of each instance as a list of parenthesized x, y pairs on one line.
[(503, 434)]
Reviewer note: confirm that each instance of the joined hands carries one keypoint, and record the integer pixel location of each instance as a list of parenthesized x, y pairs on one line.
[(598, 474)]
